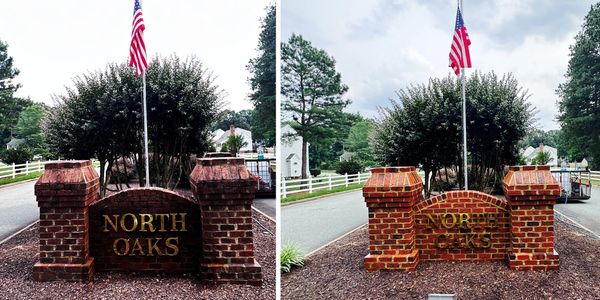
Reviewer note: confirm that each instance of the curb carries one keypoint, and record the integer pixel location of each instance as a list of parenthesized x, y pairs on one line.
[(335, 240), (265, 215), (16, 183), (18, 232), (317, 198), (562, 215)]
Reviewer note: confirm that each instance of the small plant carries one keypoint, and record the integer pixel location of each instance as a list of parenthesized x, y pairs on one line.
[(291, 256)]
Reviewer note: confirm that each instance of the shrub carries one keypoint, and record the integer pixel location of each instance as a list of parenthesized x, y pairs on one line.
[(291, 256), (19, 155), (351, 166), (315, 172)]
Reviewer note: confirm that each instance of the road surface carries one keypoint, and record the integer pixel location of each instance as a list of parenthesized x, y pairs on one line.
[(266, 206), (586, 213), (18, 208), (314, 223)]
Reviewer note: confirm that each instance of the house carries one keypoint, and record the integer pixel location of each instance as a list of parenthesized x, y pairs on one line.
[(14, 143), (219, 137), (347, 155), (291, 152), (530, 153)]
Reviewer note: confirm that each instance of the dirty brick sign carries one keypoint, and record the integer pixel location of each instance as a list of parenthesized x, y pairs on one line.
[(148, 229), (145, 230), (405, 228)]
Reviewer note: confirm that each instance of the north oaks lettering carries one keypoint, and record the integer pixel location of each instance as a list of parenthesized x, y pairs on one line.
[(464, 223), (146, 223)]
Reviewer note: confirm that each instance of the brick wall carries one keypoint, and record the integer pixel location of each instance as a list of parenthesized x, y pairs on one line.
[(225, 190), (63, 193), (404, 228), (162, 246), (531, 192), (483, 232)]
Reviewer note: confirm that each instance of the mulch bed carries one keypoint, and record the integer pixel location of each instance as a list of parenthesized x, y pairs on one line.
[(337, 272), (18, 256)]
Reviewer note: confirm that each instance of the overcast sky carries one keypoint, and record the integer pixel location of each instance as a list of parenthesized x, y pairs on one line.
[(53, 41), (384, 45)]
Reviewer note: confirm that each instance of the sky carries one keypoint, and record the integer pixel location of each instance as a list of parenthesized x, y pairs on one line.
[(382, 46), (52, 42)]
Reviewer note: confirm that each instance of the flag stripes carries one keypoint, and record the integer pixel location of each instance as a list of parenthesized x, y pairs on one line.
[(137, 49)]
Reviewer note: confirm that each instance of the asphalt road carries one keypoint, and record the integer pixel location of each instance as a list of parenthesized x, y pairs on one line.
[(18, 208), (267, 206), (314, 223), (586, 213)]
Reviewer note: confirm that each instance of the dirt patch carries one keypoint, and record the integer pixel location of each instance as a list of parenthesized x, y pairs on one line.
[(337, 272), (18, 256)]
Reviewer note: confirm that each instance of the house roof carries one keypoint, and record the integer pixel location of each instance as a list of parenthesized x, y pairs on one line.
[(15, 142)]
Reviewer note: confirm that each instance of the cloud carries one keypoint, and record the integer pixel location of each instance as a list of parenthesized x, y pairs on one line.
[(383, 46)]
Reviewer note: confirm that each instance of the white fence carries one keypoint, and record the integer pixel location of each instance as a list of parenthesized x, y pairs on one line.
[(310, 185), (12, 171), (595, 175)]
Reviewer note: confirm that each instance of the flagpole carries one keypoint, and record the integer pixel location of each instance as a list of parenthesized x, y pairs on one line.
[(464, 117), (145, 130)]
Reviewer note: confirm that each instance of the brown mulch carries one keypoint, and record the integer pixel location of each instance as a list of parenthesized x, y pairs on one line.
[(337, 272), (18, 256)]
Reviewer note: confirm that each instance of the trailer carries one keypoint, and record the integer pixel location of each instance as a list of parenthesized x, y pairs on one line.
[(574, 184)]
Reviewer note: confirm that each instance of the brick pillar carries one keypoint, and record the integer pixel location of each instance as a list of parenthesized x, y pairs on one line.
[(63, 194), (225, 190), (390, 194), (531, 192)]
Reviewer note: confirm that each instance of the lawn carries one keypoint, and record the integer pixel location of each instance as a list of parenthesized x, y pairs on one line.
[(322, 192), (34, 175)]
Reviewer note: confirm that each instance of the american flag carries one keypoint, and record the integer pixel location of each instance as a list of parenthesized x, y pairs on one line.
[(459, 51), (137, 50)]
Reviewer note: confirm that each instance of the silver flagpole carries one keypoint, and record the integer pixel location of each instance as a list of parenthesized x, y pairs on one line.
[(464, 114), (145, 130)]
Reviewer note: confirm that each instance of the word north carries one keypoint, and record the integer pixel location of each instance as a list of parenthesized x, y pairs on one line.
[(145, 222)]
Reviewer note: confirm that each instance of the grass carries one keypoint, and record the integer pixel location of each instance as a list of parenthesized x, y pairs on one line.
[(4, 181), (291, 256), (322, 192)]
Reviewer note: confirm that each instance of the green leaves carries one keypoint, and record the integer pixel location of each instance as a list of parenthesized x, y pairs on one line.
[(579, 103)]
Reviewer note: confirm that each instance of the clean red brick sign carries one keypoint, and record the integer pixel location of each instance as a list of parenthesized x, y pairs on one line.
[(405, 228), (462, 225), (148, 229)]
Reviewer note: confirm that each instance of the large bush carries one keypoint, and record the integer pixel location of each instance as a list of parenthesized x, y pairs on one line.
[(17, 156), (351, 166), (101, 116), (424, 128)]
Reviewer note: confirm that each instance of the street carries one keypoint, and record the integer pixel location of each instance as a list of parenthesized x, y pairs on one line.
[(18, 208), (314, 223), (586, 213)]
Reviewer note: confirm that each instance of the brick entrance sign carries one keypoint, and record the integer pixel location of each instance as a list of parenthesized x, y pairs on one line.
[(148, 229), (404, 228)]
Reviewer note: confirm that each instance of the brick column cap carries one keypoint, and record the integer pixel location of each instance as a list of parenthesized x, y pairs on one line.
[(66, 179), (222, 178), (217, 154), (530, 181), (392, 182)]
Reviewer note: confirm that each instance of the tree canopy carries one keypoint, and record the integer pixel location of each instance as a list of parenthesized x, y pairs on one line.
[(101, 117), (263, 79), (424, 128), (579, 104), (312, 90)]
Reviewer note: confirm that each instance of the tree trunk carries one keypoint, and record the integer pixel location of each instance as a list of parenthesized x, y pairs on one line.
[(304, 160)]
